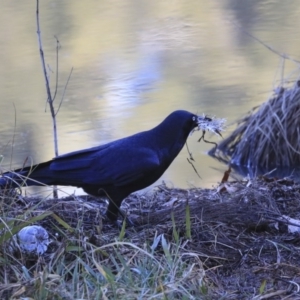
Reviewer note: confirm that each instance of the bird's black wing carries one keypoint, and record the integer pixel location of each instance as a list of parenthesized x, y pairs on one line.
[(114, 163), (80, 159)]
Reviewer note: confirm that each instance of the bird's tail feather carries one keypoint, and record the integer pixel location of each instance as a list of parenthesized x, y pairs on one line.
[(34, 175)]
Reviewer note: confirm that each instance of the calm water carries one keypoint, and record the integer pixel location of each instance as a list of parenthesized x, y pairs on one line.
[(135, 62)]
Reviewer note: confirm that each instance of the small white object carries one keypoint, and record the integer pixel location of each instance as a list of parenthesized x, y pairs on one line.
[(34, 239), (211, 124), (292, 228)]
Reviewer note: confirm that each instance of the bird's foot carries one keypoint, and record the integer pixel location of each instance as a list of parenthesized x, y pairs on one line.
[(128, 223), (119, 224)]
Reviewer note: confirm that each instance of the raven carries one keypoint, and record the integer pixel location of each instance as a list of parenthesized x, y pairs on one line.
[(115, 169)]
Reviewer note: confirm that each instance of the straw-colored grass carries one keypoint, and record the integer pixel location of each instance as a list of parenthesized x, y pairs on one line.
[(269, 136), (190, 244)]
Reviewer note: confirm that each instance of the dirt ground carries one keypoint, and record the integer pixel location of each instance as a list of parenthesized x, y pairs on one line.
[(239, 230)]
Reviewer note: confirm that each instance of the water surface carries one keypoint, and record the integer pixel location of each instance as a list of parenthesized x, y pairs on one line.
[(134, 63)]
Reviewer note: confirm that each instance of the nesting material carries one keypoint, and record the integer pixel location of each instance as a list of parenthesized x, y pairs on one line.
[(240, 234), (269, 136)]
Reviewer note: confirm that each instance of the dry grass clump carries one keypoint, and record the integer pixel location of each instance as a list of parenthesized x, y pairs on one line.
[(89, 259), (269, 136), (226, 243)]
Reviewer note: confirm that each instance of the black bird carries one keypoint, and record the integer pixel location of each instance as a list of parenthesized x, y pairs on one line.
[(116, 169)]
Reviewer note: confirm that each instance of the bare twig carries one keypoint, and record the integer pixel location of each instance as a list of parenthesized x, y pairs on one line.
[(191, 159), (206, 124), (56, 77), (283, 55), (63, 95), (206, 141), (190, 153), (13, 140), (49, 96), (190, 162)]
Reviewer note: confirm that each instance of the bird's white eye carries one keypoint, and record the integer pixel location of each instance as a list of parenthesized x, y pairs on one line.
[(194, 118)]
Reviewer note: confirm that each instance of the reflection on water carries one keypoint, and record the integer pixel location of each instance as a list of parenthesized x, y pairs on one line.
[(126, 85), (134, 63)]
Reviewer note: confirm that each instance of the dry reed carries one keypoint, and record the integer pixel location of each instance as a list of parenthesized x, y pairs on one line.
[(269, 136)]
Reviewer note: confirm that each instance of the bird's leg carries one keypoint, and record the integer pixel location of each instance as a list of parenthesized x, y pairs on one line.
[(112, 213)]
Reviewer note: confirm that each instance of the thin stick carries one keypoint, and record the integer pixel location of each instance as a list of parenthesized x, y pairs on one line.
[(190, 159), (63, 95), (49, 99), (13, 140), (49, 96), (283, 55), (190, 162), (56, 76)]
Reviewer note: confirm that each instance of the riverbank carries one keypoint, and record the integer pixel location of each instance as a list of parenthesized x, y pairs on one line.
[(230, 242)]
